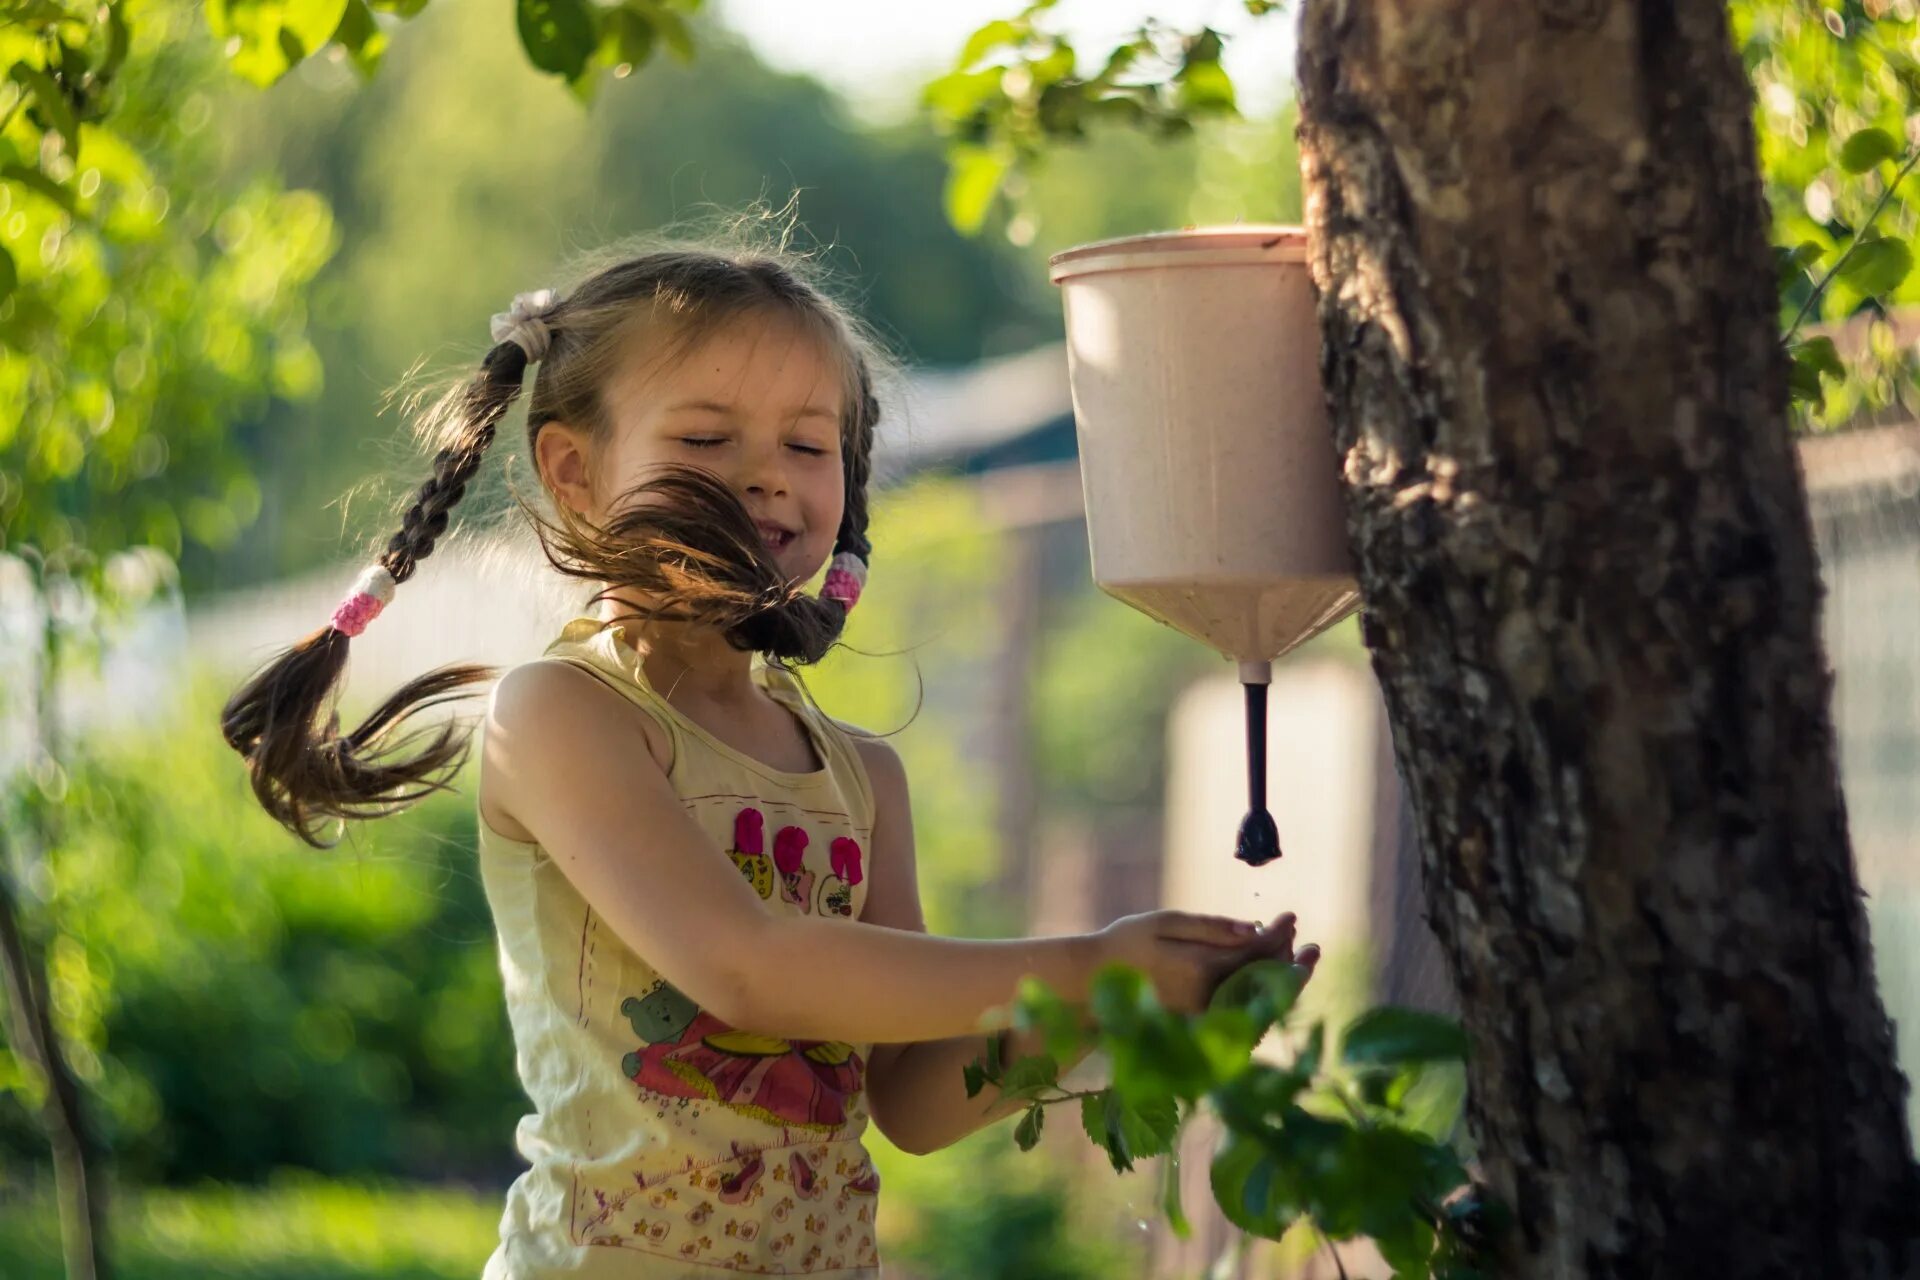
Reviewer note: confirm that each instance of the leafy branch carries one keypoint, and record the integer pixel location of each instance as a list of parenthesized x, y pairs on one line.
[(1016, 88), (1332, 1141), (1874, 264)]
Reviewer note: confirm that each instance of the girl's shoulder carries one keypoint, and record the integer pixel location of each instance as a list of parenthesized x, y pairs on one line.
[(567, 698), (558, 709)]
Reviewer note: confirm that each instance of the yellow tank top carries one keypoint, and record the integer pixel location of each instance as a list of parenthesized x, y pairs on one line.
[(664, 1142)]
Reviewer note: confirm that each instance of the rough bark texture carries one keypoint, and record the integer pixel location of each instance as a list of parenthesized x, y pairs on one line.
[(1550, 350)]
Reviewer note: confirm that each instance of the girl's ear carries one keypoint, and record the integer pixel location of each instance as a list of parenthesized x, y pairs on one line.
[(562, 456)]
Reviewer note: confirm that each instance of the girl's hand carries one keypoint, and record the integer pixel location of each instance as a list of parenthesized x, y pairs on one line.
[(1184, 955), (1275, 942)]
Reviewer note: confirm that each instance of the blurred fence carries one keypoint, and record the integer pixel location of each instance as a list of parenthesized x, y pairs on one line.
[(1863, 488)]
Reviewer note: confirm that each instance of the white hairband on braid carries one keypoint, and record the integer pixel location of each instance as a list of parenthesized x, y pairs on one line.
[(525, 322)]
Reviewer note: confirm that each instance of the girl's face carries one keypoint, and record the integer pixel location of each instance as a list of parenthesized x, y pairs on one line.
[(758, 403)]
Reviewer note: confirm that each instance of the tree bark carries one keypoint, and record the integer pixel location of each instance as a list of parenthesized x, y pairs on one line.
[(1550, 348)]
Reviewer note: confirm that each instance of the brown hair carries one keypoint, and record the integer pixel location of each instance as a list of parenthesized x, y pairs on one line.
[(682, 537)]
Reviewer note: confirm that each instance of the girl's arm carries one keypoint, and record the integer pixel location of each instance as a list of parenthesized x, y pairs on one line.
[(917, 1092), (572, 765)]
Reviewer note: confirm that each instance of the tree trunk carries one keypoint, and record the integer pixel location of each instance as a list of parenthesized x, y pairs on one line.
[(26, 998), (1551, 353)]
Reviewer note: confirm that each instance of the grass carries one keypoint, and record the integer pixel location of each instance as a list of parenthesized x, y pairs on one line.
[(298, 1227)]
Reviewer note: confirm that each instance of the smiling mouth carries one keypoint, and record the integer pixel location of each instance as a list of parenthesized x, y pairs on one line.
[(776, 538)]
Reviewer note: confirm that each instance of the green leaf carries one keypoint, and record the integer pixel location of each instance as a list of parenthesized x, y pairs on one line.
[(1821, 354), (1791, 264), (1408, 1249), (1206, 89), (312, 22), (1170, 1195), (994, 1065), (1159, 1057), (1063, 1028), (673, 29), (1123, 56), (1094, 1109), (1118, 996), (1308, 1063), (1028, 1131), (1867, 148), (9, 274), (1036, 1071), (975, 1077), (362, 38), (973, 179), (1227, 1038), (1877, 265), (988, 38), (1907, 71), (41, 184), (53, 104), (1205, 47), (1391, 1035), (631, 35), (960, 94), (119, 40), (1126, 1131), (253, 37), (1803, 384), (1434, 1102), (1248, 1186), (558, 35), (1150, 1126), (1266, 988), (1056, 66)]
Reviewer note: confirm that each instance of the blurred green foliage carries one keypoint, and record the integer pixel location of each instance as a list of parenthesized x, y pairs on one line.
[(1011, 1219), (917, 645), (145, 308), (1834, 87), (298, 1227), (235, 1003)]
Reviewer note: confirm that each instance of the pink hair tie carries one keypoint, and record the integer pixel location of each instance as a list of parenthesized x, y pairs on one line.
[(372, 591), (845, 578)]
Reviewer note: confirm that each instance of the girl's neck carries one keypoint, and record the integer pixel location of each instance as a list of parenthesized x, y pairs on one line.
[(684, 659)]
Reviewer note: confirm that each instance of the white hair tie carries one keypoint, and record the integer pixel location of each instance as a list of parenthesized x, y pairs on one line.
[(525, 322)]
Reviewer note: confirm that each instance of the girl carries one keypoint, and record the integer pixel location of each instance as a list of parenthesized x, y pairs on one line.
[(715, 964)]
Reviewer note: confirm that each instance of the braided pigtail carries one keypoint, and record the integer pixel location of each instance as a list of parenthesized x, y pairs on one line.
[(853, 550), (303, 770)]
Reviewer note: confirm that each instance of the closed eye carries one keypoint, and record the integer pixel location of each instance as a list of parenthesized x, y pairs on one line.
[(702, 442), (809, 450)]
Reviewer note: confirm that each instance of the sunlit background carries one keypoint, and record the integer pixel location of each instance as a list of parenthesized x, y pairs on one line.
[(301, 1062)]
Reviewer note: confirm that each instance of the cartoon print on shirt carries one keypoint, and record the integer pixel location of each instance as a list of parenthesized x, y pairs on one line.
[(689, 1053), (748, 852), (659, 1017), (836, 891), (789, 851)]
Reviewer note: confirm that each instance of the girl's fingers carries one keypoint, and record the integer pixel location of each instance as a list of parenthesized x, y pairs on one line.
[(1218, 931)]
